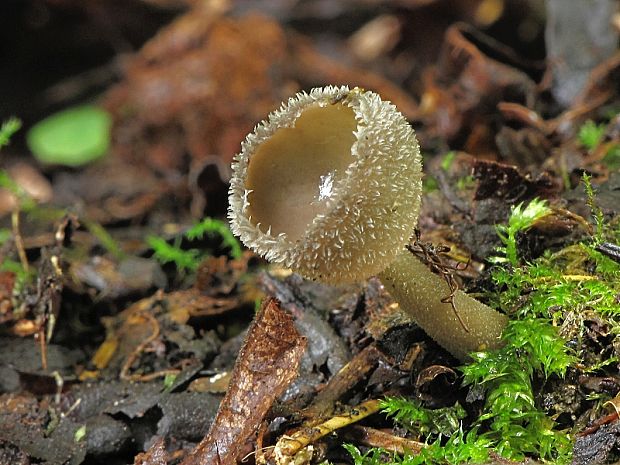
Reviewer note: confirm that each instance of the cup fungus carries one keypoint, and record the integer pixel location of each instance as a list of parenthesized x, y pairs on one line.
[(329, 186)]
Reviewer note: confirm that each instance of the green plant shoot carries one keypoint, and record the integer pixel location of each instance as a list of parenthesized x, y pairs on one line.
[(188, 260), (173, 253), (8, 128), (521, 219), (210, 226), (590, 134), (597, 213)]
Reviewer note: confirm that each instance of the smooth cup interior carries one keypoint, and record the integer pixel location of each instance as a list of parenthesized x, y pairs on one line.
[(292, 176)]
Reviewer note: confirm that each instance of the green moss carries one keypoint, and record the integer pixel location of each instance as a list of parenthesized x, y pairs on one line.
[(521, 219), (212, 227), (509, 424), (612, 158), (104, 238), (597, 213), (184, 260), (8, 128), (447, 160), (429, 184), (511, 419), (459, 448), (549, 300), (417, 419), (23, 277), (466, 182), (189, 259), (590, 134)]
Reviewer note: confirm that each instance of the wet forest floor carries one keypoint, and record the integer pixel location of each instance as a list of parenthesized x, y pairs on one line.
[(134, 327)]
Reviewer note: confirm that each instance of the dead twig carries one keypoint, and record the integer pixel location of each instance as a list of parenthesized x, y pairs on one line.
[(289, 446)]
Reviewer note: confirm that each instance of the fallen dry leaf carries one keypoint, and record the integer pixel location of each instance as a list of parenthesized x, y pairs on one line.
[(473, 74), (198, 87), (497, 180), (267, 363)]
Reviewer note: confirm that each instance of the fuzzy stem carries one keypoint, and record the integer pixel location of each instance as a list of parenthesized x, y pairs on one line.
[(419, 292)]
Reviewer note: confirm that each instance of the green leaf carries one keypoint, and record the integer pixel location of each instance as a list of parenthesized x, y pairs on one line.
[(71, 137)]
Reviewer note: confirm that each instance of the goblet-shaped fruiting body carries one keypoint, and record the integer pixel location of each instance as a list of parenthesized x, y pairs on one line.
[(329, 185)]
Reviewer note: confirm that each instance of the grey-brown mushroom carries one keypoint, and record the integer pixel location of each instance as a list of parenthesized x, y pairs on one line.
[(329, 185)]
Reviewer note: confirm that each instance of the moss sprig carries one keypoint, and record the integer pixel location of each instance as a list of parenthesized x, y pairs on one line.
[(590, 134), (417, 419), (459, 448), (597, 212), (211, 227), (7, 129), (164, 252), (512, 421), (521, 219), (577, 278), (189, 259)]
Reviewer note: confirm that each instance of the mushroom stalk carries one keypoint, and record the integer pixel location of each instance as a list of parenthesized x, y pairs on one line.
[(420, 293)]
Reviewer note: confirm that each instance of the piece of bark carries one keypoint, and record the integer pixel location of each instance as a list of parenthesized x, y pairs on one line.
[(308, 302), (267, 363), (156, 455)]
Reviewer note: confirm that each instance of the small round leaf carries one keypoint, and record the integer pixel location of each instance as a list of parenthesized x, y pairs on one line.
[(71, 137)]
